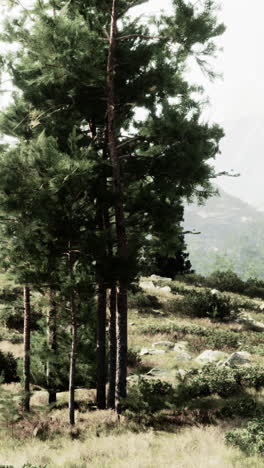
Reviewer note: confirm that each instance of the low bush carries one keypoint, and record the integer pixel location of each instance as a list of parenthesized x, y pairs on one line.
[(206, 303), (192, 279), (147, 397), (13, 318), (8, 367), (133, 358), (250, 439), (254, 288), (243, 407), (223, 381), (206, 337), (226, 281), (143, 301)]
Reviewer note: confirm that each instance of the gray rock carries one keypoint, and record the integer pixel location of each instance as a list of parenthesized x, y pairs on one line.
[(180, 346), (210, 356), (239, 358), (159, 278), (147, 284), (183, 356), (181, 374), (164, 289), (146, 351), (250, 323), (214, 292), (157, 351), (157, 371), (168, 345)]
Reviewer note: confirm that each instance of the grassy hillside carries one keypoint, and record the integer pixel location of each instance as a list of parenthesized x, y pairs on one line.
[(179, 408)]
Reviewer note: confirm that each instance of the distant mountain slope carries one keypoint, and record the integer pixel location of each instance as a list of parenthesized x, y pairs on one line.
[(232, 235)]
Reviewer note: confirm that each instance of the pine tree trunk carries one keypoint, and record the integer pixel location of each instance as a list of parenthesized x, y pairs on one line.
[(73, 348), (27, 348), (122, 250), (101, 346), (112, 350), (52, 345)]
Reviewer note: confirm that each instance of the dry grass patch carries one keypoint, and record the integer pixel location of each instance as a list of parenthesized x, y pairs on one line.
[(16, 349), (198, 447)]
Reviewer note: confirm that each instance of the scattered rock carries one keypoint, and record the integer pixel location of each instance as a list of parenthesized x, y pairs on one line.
[(183, 356), (168, 345), (157, 351), (238, 358), (146, 351), (261, 307), (214, 292), (180, 346), (181, 374), (250, 323), (131, 324), (157, 371), (147, 285), (159, 278), (211, 356), (164, 289)]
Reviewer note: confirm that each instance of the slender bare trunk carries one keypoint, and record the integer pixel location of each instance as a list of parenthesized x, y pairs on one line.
[(101, 346), (112, 350), (73, 346), (27, 348), (122, 250), (52, 345)]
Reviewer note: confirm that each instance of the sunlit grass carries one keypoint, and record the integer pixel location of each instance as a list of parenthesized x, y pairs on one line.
[(196, 447)]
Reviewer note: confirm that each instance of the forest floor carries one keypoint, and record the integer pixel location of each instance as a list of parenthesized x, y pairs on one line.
[(193, 439)]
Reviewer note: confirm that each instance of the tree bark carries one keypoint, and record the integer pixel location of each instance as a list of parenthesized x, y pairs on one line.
[(101, 346), (112, 350), (27, 348), (122, 248), (73, 346), (52, 346)]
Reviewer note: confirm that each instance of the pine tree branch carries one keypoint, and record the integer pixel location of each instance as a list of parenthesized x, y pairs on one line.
[(141, 36), (130, 140)]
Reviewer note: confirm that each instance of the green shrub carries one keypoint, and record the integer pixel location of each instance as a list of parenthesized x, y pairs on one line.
[(143, 301), (13, 318), (149, 396), (223, 381), (207, 381), (226, 281), (243, 407), (210, 337), (9, 409), (133, 358), (254, 288), (8, 367), (206, 303), (250, 439), (192, 279)]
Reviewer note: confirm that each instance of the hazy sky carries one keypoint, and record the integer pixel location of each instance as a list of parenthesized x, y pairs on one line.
[(237, 99)]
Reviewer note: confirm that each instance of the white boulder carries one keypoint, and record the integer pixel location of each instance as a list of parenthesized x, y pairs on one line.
[(210, 356)]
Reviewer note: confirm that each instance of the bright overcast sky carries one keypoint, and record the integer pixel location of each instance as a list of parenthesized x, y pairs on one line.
[(237, 99)]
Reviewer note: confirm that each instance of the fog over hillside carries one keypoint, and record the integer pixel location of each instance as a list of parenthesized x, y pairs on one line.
[(231, 236), (243, 151)]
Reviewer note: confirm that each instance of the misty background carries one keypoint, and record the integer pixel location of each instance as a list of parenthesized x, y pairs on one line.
[(236, 99)]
